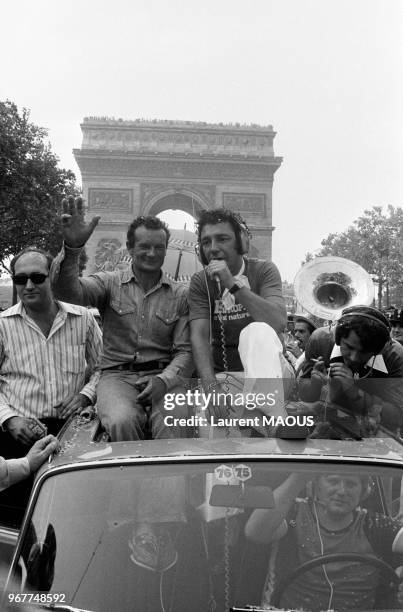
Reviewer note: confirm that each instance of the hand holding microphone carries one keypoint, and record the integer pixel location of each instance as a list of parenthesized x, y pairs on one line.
[(218, 270)]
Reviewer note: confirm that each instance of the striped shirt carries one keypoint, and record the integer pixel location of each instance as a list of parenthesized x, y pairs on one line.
[(37, 373)]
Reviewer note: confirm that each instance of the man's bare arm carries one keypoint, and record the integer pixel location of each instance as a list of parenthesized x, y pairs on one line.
[(263, 524), (270, 310)]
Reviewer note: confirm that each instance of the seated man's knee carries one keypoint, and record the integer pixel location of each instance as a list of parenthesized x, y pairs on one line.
[(260, 350), (259, 331), (121, 421)]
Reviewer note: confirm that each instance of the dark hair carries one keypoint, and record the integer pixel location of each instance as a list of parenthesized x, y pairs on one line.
[(222, 215), (151, 223), (31, 249), (370, 324)]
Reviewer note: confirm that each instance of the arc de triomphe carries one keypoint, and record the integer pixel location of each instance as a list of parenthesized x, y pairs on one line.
[(142, 167)]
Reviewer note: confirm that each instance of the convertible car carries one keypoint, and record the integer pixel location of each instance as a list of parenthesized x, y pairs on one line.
[(163, 525)]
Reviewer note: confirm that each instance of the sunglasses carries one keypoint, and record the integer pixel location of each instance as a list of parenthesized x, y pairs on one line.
[(36, 277)]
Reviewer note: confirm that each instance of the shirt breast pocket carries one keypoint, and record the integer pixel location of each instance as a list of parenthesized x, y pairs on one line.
[(164, 322), (123, 306)]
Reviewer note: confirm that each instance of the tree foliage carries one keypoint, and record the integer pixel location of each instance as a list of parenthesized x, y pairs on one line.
[(31, 185), (374, 241)]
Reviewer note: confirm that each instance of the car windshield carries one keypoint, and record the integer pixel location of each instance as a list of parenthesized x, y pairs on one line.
[(206, 536)]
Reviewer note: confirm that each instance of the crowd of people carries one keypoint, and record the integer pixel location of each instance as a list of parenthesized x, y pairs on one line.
[(227, 331), (225, 335)]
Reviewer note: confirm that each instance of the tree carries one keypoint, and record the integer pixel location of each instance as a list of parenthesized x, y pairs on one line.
[(374, 241), (31, 186), (308, 257)]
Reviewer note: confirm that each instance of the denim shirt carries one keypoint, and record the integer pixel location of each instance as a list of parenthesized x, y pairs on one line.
[(137, 325)]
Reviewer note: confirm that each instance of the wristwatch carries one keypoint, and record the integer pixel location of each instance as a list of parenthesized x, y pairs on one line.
[(236, 286)]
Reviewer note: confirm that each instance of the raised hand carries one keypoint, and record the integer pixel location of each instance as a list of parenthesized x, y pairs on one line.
[(75, 230)]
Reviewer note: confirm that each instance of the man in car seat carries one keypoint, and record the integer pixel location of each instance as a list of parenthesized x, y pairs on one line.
[(330, 520)]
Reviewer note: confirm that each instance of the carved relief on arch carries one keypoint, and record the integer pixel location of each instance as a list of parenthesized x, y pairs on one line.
[(246, 203), (109, 255), (111, 200)]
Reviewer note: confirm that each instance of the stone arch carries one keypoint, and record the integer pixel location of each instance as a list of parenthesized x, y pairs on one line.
[(184, 199), (143, 167)]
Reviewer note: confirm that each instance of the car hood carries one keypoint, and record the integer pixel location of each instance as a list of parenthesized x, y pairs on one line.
[(78, 446)]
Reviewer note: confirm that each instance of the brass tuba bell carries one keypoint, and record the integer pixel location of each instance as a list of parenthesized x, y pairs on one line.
[(326, 285)]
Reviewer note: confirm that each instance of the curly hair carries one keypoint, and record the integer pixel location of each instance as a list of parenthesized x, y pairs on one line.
[(31, 249), (370, 325), (151, 223), (222, 215)]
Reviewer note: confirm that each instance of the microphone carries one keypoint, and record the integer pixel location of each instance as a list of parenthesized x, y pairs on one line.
[(216, 278)]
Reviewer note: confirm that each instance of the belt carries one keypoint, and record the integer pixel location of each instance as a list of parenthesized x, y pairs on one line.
[(135, 366)]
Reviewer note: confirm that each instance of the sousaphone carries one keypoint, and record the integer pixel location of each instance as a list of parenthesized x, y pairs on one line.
[(326, 285)]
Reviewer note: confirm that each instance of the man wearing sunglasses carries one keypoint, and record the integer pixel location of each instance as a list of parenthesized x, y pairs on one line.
[(47, 351)]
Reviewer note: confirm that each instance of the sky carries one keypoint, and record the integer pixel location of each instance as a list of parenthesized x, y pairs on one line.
[(327, 75)]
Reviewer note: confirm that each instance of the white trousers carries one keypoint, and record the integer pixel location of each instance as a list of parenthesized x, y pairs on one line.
[(267, 374)]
